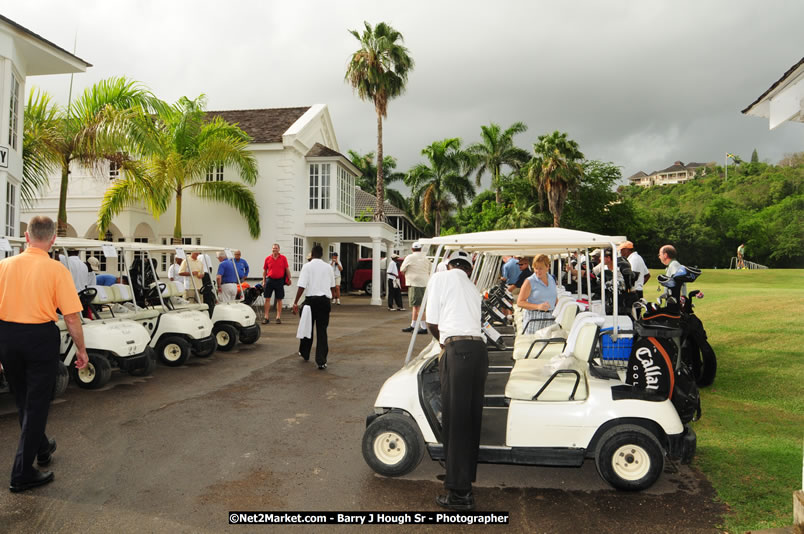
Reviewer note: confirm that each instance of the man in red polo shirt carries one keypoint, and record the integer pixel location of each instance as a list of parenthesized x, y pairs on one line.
[(275, 276)]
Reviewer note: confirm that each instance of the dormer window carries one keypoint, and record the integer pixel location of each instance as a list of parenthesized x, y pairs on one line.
[(331, 188)]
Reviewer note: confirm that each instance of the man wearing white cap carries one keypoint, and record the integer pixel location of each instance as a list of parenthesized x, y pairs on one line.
[(417, 272), (453, 317), (637, 265)]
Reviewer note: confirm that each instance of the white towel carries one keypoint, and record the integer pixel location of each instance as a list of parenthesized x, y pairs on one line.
[(305, 324)]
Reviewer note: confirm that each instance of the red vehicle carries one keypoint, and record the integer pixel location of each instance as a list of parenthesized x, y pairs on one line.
[(361, 279)]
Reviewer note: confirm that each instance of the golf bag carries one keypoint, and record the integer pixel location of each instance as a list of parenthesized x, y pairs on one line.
[(207, 291)]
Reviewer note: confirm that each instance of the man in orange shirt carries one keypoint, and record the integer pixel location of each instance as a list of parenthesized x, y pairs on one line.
[(32, 287)]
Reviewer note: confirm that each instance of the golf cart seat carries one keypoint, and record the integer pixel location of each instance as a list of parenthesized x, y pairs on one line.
[(122, 294), (561, 377), (176, 289), (554, 333)]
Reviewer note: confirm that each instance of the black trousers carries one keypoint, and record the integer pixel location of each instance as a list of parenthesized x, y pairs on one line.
[(30, 357), (463, 369), (394, 295), (319, 311)]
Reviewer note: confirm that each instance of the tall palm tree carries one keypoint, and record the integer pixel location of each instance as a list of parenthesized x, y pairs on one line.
[(378, 72), (555, 169), (496, 149), (368, 181), (186, 149), (108, 118), (442, 184), (40, 145)]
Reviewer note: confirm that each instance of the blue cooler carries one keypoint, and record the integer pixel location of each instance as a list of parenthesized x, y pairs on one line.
[(616, 351)]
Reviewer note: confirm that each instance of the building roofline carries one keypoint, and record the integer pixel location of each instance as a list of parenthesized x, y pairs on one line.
[(778, 82), (41, 39)]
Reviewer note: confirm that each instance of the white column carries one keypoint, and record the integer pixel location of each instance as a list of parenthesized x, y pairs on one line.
[(376, 283)]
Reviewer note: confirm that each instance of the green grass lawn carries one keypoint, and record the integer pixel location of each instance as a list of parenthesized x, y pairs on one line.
[(751, 433)]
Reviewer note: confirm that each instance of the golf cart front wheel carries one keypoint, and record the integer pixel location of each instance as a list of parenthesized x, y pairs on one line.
[(629, 457), (95, 375), (225, 336), (148, 365), (173, 351), (392, 445)]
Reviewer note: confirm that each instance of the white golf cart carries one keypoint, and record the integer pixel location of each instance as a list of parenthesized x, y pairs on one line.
[(174, 333), (232, 321), (555, 410), (110, 342)]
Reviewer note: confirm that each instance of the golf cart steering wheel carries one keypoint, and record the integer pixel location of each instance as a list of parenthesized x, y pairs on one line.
[(87, 295)]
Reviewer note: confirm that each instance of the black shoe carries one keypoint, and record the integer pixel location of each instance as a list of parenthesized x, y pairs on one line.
[(44, 458), (39, 479), (422, 331), (456, 501), (408, 329), (322, 367)]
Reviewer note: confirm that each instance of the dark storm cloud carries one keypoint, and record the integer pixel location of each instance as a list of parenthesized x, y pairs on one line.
[(641, 84)]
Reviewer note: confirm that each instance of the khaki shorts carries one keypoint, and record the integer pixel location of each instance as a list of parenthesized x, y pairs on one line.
[(415, 296)]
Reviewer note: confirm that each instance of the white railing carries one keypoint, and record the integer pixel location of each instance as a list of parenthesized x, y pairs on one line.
[(735, 262)]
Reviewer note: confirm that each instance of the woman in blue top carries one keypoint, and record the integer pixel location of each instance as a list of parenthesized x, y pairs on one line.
[(538, 297)]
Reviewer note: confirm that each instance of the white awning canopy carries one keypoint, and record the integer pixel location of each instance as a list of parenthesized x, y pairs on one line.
[(525, 241)]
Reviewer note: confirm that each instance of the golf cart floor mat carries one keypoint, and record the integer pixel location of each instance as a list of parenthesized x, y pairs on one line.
[(495, 383), (492, 431), (501, 358)]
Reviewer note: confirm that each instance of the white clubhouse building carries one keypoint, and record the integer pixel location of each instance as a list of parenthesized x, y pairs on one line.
[(23, 53), (305, 191)]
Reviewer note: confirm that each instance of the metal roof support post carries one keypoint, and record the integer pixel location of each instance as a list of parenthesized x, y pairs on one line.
[(615, 257), (588, 277), (423, 306)]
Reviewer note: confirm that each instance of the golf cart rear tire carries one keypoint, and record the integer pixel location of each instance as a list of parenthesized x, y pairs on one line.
[(95, 375), (392, 445), (62, 379), (173, 351), (225, 336), (149, 366), (629, 457), (367, 288)]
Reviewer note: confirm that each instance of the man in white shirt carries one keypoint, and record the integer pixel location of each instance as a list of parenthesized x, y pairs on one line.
[(637, 265), (453, 317), (78, 269), (394, 285), (316, 281), (173, 270), (417, 272)]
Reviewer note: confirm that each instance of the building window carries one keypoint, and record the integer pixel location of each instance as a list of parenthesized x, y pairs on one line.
[(11, 209), (114, 170), (215, 173), (320, 194), (298, 253), (346, 192), (14, 114)]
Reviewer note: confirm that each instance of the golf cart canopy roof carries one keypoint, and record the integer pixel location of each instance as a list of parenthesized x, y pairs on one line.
[(525, 240), (93, 244)]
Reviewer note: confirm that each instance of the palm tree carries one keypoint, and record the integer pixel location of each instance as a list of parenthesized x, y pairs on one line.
[(40, 145), (108, 118), (555, 169), (378, 72), (186, 149), (368, 181), (495, 150), (443, 184)]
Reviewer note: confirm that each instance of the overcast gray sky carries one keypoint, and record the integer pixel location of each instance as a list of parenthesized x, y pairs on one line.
[(638, 83)]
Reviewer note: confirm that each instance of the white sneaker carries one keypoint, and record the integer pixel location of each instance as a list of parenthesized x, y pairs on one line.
[(338, 302)]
